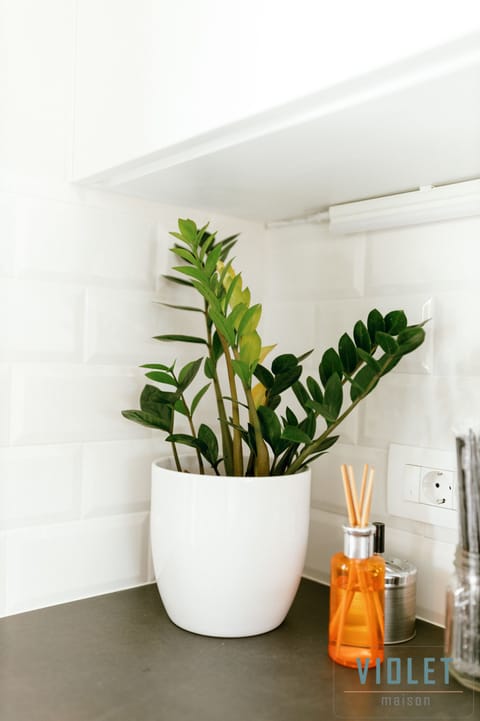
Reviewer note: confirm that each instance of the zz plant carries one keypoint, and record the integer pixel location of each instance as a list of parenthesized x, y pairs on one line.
[(249, 424)]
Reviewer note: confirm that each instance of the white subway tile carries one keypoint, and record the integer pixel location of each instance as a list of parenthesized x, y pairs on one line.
[(40, 321), (3, 574), (39, 484), (84, 243), (46, 565), (306, 263), (418, 410), (423, 257), (63, 403), (5, 405), (116, 475), (457, 336), (434, 561), (7, 232), (327, 486), (289, 325), (121, 326), (324, 540)]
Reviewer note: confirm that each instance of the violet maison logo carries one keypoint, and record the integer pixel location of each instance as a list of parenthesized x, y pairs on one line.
[(399, 671)]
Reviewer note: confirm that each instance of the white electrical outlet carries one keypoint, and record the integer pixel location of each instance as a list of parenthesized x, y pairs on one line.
[(421, 485)]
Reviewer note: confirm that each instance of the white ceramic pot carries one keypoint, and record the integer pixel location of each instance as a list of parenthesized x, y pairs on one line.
[(228, 552)]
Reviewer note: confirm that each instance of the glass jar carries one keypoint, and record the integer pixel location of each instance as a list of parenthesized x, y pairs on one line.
[(462, 634), (356, 625)]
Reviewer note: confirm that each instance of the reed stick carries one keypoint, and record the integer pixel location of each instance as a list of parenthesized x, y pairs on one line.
[(363, 487), (353, 487), (368, 499), (348, 496)]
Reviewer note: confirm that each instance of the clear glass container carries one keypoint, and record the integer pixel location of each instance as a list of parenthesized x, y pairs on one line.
[(356, 627), (462, 634)]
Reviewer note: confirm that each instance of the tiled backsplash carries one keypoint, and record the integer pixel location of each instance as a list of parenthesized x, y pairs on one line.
[(420, 402)]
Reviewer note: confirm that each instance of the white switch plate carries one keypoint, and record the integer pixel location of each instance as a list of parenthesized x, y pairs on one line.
[(408, 466)]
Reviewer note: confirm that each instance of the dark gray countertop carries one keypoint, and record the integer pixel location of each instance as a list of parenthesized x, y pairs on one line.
[(118, 658)]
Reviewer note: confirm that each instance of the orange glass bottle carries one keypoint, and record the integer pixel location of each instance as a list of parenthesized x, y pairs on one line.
[(357, 578)]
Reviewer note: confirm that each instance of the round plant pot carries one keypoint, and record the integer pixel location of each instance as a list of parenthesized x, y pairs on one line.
[(228, 552)]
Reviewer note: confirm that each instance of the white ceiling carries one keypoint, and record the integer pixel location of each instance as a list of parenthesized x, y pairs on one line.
[(425, 134)]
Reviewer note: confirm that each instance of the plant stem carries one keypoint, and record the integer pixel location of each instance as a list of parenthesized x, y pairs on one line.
[(305, 453), (194, 434), (227, 445), (262, 460), (237, 437), (177, 459)]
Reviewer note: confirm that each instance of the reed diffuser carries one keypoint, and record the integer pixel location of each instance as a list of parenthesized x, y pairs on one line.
[(356, 628)]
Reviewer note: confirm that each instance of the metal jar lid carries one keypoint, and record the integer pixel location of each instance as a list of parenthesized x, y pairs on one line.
[(399, 572)]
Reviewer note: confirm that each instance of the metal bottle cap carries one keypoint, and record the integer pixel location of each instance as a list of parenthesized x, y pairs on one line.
[(357, 541)]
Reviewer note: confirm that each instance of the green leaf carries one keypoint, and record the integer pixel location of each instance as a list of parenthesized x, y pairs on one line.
[(237, 281), (209, 368), (223, 326), (212, 260), (183, 307), (361, 336), (410, 339), (237, 315), (187, 440), (323, 410), (329, 365), (386, 342), (334, 395), (188, 229), (242, 370), (250, 348), (150, 420), (178, 281), (198, 397), (283, 363), (250, 320), (315, 390), (320, 446), (369, 360), (156, 366), (185, 254), (180, 407), (309, 425), (264, 376), (284, 380), (196, 273), (208, 438), (274, 401), (395, 322), (217, 349), (364, 382), (304, 356), (301, 394), (160, 377), (153, 400), (348, 353), (173, 337), (295, 435), (375, 323), (292, 419), (271, 428), (188, 373)]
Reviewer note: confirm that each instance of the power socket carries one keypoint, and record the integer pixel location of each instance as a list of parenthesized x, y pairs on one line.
[(436, 487)]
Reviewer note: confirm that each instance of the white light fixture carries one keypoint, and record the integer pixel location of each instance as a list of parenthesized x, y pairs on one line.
[(427, 205)]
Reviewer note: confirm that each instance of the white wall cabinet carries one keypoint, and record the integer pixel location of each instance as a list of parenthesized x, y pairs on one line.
[(268, 110)]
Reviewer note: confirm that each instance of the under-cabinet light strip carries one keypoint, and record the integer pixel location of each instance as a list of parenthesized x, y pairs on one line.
[(426, 205)]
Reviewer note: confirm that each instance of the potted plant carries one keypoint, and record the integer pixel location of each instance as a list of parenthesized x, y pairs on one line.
[(229, 522)]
